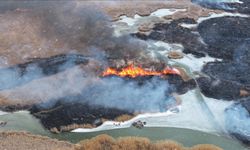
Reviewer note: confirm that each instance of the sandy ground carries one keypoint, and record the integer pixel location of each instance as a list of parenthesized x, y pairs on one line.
[(26, 141)]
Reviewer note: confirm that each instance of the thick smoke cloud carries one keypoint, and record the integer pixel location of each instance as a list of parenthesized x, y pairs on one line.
[(222, 4), (45, 28), (83, 28), (75, 85), (31, 29), (23, 73), (65, 27), (152, 96)]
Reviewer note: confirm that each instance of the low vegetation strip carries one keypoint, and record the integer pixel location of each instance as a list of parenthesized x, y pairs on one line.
[(27, 141)]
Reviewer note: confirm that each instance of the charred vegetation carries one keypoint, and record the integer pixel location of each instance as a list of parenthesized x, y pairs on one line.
[(63, 113)]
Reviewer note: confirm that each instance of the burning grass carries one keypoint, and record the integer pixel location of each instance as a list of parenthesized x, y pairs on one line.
[(133, 71), (105, 142)]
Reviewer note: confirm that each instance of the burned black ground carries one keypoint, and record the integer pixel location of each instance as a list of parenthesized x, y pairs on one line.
[(242, 7), (226, 38), (64, 113), (74, 110)]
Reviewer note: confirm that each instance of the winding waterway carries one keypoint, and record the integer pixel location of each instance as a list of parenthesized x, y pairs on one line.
[(23, 121)]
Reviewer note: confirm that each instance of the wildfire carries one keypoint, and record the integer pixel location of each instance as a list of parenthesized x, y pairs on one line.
[(132, 71)]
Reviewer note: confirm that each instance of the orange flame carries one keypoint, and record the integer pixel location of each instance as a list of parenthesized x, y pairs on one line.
[(132, 71)]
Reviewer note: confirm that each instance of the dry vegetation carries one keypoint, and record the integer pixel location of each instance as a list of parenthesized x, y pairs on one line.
[(205, 147), (105, 142), (123, 118), (71, 127), (21, 38), (26, 141), (143, 8)]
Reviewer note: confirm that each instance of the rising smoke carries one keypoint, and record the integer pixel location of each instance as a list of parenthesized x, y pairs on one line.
[(42, 29), (237, 120), (152, 96), (220, 4)]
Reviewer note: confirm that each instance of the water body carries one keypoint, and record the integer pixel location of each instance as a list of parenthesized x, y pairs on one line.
[(23, 121)]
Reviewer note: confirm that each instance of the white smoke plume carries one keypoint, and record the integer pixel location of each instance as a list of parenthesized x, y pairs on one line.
[(238, 121), (51, 28), (222, 4)]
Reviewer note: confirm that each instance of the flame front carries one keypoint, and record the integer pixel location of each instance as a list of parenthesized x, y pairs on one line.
[(132, 71)]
